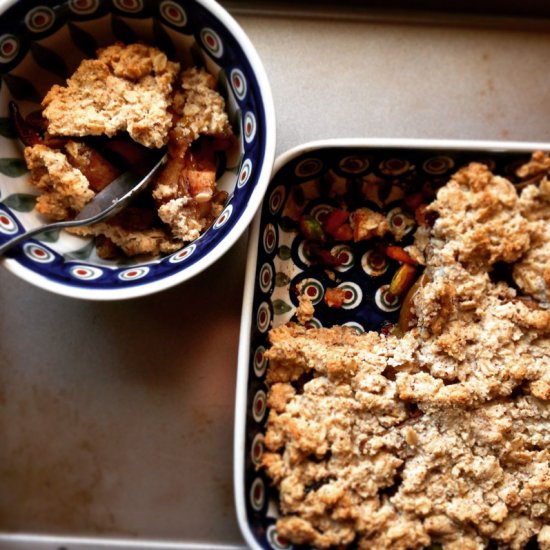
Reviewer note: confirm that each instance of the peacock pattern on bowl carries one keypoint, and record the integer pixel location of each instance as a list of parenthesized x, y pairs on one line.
[(48, 43)]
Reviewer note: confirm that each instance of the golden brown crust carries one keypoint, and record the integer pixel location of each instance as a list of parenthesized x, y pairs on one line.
[(64, 190), (353, 462), (128, 88), (479, 221), (133, 242), (199, 108)]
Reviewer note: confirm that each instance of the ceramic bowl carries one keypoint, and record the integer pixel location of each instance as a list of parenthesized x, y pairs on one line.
[(41, 44), (377, 173)]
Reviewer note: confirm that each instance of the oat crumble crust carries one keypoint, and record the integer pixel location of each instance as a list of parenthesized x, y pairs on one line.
[(127, 88), (132, 242), (532, 272), (441, 435), (199, 108), (64, 189)]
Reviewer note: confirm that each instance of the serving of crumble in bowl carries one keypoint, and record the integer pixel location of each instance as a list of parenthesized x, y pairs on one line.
[(393, 387), (88, 88)]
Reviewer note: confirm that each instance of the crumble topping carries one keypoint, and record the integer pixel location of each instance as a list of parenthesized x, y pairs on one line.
[(354, 463), (305, 309), (532, 272), (199, 108), (65, 190), (127, 88), (479, 221), (132, 242)]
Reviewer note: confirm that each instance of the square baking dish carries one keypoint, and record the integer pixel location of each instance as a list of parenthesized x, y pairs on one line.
[(308, 180)]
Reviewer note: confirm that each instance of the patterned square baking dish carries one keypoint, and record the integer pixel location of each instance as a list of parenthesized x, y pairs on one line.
[(307, 179)]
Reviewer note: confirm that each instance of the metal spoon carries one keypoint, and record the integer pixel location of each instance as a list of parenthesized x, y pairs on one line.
[(106, 203)]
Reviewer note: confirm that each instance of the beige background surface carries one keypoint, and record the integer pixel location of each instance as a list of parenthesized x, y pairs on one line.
[(116, 419)]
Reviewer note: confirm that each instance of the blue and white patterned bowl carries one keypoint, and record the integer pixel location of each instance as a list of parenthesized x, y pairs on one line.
[(378, 174), (41, 43)]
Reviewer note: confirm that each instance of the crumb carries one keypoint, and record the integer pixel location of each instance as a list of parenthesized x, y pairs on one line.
[(416, 253), (305, 310), (367, 224)]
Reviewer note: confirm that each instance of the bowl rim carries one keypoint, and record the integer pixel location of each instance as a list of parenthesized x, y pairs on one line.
[(230, 238), (243, 356), (5, 4)]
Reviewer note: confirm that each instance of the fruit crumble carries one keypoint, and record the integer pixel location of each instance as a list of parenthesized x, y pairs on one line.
[(112, 111)]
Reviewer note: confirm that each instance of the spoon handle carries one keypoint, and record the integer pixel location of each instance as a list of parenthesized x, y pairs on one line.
[(36, 231), (105, 204)]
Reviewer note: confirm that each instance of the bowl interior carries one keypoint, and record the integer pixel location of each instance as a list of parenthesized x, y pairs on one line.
[(308, 183), (41, 46)]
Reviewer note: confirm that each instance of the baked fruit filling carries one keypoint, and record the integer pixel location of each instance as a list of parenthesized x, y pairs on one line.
[(112, 111)]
